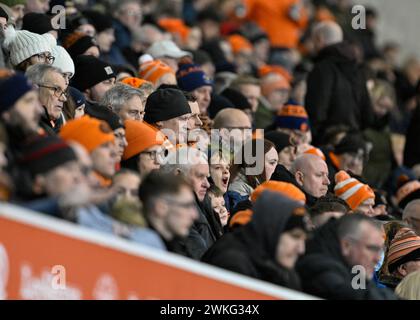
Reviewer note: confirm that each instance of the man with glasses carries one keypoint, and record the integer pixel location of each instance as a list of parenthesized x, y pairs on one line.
[(52, 94), (128, 16), (169, 208), (340, 260), (144, 151)]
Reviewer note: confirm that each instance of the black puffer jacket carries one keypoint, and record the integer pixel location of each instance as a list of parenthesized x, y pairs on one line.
[(325, 273), (250, 250), (337, 92)]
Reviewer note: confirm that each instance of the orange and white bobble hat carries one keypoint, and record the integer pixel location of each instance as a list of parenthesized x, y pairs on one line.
[(351, 190)]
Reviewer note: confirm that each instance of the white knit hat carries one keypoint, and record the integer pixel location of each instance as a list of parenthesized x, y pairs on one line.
[(23, 44), (63, 60)]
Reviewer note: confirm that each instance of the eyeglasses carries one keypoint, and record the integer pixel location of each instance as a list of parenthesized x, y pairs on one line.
[(156, 155), (58, 92), (44, 57)]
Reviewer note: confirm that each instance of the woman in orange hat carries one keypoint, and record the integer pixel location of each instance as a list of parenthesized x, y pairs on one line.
[(145, 150)]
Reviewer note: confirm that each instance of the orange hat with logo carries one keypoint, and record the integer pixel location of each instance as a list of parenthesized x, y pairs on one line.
[(239, 43), (89, 132), (285, 188), (140, 136), (351, 190), (154, 70)]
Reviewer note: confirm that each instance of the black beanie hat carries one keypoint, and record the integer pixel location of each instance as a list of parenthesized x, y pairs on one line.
[(103, 113), (351, 143), (39, 23), (90, 71), (218, 103), (81, 45), (281, 140), (237, 99), (165, 104), (45, 154), (100, 21)]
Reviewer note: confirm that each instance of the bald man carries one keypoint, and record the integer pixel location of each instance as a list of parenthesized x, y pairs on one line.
[(411, 215), (234, 126), (311, 173), (336, 86)]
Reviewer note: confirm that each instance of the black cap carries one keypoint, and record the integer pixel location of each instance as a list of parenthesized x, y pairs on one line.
[(165, 104), (81, 45), (351, 143), (281, 140), (103, 113), (39, 23), (237, 99), (90, 71)]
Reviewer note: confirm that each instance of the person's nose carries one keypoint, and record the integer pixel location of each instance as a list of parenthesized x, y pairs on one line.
[(206, 183), (326, 180)]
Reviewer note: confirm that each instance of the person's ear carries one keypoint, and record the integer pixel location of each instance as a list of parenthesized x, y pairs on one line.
[(177, 172), (299, 177), (38, 185), (402, 270), (161, 208), (345, 245), (6, 116)]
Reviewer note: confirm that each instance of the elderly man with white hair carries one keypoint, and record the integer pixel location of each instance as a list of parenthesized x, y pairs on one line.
[(193, 165), (336, 87)]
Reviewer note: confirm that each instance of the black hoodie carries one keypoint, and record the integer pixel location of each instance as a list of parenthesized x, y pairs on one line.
[(251, 249), (325, 273), (337, 92)]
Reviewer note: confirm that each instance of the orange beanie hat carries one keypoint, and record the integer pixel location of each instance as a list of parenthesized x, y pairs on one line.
[(89, 132), (351, 190), (285, 188), (140, 136), (154, 70), (241, 218), (239, 43), (315, 151), (134, 82), (267, 69), (175, 26)]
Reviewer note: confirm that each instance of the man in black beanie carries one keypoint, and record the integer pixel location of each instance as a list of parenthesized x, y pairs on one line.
[(51, 166), (168, 110), (93, 77)]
